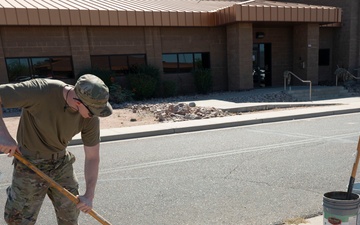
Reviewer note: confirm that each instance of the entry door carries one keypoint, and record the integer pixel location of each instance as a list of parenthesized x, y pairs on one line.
[(262, 65)]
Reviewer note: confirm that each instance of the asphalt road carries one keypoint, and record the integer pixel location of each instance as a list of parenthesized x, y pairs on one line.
[(250, 175)]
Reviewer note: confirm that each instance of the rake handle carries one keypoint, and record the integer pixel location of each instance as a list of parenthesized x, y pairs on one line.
[(58, 187), (353, 172)]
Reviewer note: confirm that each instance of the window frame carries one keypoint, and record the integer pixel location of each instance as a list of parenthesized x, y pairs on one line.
[(32, 72), (120, 72), (178, 68)]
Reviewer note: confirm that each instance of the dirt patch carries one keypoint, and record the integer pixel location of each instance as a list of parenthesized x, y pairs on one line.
[(120, 118), (127, 118)]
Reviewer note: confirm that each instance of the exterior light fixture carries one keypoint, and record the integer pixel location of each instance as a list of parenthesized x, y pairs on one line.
[(260, 35)]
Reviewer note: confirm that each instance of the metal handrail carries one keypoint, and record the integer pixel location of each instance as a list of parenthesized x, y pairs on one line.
[(287, 79), (341, 73)]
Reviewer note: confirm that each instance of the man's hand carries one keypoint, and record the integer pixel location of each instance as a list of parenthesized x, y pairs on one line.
[(8, 146), (84, 204)]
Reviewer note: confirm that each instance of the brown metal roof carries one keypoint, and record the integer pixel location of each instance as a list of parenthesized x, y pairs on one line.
[(159, 12)]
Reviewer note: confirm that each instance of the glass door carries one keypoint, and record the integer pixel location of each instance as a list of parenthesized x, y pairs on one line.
[(261, 65)]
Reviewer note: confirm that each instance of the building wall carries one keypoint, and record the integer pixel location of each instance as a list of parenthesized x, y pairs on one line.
[(35, 41), (81, 42), (153, 46), (305, 56), (239, 52), (229, 46), (346, 48), (116, 40), (299, 56), (79, 46)]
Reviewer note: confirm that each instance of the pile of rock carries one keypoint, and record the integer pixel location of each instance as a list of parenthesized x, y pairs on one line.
[(176, 112)]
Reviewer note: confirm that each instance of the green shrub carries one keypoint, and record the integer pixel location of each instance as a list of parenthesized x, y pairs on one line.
[(146, 69), (203, 80), (144, 81), (170, 88), (142, 85), (119, 94)]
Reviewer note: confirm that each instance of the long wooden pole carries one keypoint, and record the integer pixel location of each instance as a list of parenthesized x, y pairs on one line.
[(353, 172), (58, 187)]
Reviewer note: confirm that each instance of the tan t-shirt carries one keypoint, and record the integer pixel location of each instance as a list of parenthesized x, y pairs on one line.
[(44, 123)]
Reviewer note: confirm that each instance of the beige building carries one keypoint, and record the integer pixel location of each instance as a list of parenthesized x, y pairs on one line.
[(58, 39)]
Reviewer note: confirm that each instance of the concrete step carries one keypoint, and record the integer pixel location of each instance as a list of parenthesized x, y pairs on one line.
[(302, 93)]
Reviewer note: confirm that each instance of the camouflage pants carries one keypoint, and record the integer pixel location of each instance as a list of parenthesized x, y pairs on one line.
[(28, 190)]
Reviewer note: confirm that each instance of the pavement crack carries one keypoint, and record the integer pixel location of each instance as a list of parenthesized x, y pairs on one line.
[(231, 171)]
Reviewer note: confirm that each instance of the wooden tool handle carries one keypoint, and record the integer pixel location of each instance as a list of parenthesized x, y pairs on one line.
[(58, 187), (353, 172), (356, 163)]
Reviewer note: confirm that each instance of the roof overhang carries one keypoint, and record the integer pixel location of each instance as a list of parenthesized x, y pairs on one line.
[(198, 13), (278, 12)]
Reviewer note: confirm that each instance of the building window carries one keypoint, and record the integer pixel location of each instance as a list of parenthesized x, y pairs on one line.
[(20, 69), (120, 64), (324, 57), (184, 62)]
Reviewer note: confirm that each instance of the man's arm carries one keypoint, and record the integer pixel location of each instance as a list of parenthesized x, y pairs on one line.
[(7, 143), (91, 170)]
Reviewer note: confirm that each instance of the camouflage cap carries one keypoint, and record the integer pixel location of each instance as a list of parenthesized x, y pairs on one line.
[(92, 91)]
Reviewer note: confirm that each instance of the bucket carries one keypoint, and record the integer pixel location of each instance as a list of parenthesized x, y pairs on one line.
[(338, 210)]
